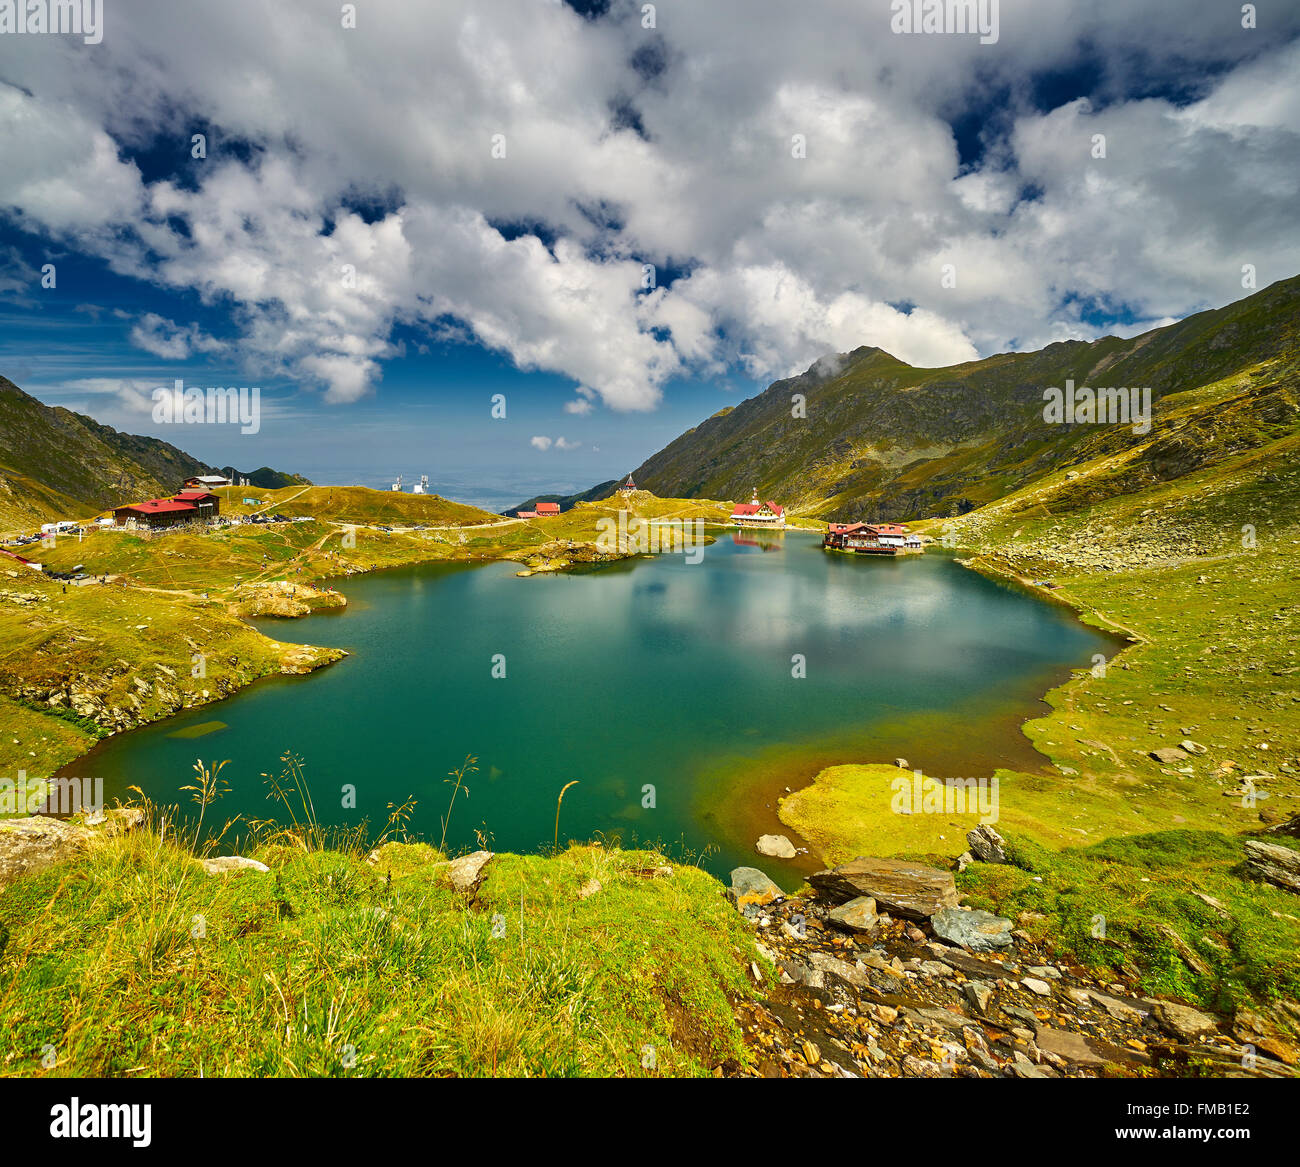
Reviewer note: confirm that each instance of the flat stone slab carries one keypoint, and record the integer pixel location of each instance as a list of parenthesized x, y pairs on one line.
[(858, 915), (977, 930), (910, 890), (232, 865), (1275, 863)]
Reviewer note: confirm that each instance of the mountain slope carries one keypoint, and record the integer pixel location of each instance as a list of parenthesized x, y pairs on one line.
[(883, 439), (58, 464)]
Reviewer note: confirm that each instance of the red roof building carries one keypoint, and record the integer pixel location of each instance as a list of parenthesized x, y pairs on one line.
[(758, 514), (209, 505), (547, 508), (156, 513)]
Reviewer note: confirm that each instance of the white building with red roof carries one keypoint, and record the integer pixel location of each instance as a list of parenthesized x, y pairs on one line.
[(758, 514)]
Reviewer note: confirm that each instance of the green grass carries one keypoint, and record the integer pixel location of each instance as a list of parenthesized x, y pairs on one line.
[(1146, 889), (135, 962)]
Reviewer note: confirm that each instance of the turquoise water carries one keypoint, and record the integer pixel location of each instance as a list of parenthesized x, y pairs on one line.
[(656, 673)]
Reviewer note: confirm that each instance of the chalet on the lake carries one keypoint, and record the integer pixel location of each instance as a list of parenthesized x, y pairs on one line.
[(545, 509), (205, 482), (758, 514), (525, 514), (871, 538)]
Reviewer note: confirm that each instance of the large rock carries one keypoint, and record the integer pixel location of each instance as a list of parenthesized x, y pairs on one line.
[(904, 889), (858, 915), (29, 845), (465, 873), (979, 931), (775, 846), (1271, 861), (986, 844), (1183, 1021), (1169, 755), (751, 886)]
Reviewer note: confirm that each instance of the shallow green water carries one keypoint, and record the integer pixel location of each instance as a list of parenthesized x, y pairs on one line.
[(657, 672)]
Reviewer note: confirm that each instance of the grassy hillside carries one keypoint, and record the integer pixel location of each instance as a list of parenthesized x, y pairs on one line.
[(1188, 545), (881, 439), (333, 966), (56, 464)]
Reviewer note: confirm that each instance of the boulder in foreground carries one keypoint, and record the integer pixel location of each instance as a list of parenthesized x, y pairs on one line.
[(977, 930), (751, 886), (1271, 861), (465, 873), (904, 889)]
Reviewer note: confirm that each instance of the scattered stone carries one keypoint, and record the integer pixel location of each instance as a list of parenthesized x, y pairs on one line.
[(858, 915), (590, 888), (1183, 1021), (775, 847), (823, 962), (465, 873), (986, 844), (232, 865), (977, 930), (905, 889), (751, 886), (1047, 971), (1191, 747), (979, 994), (1275, 863), (1034, 985), (1168, 755)]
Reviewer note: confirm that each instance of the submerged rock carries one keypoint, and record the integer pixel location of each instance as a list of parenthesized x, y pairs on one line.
[(905, 889), (775, 846)]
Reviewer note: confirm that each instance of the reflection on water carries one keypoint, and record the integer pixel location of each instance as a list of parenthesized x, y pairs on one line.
[(638, 682)]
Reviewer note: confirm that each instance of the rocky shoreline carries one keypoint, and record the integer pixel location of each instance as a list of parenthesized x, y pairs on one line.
[(883, 974)]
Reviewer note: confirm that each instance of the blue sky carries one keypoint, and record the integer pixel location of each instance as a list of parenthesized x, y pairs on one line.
[(497, 179)]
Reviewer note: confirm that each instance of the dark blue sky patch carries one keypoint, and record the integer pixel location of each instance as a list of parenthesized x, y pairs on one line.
[(373, 206), (623, 115), (650, 60), (1099, 312), (512, 229), (589, 9)]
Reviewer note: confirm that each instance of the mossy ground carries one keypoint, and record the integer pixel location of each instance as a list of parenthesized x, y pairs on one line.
[(133, 961)]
